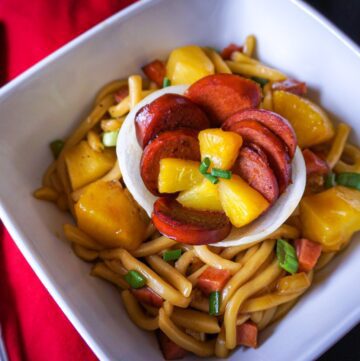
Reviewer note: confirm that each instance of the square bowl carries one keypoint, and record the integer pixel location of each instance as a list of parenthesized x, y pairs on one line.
[(48, 100)]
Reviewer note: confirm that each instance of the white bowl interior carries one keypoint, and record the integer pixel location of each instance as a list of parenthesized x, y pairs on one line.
[(49, 100)]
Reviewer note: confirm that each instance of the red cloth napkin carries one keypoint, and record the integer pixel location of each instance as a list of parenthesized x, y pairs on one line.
[(32, 325)]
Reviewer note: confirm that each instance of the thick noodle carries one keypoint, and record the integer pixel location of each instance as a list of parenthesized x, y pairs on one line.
[(258, 290)]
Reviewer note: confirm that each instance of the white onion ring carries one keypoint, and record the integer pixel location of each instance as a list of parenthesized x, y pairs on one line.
[(129, 155)]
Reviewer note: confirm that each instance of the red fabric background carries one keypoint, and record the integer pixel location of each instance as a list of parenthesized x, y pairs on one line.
[(33, 326)]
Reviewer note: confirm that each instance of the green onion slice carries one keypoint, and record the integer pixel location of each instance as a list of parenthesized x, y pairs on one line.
[(135, 279), (351, 180), (214, 303), (56, 147), (109, 138), (330, 180), (261, 81), (204, 166), (172, 255), (166, 82), (216, 172), (286, 255), (211, 178)]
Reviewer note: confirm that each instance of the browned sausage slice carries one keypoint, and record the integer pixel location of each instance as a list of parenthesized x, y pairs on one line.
[(253, 132), (275, 122), (168, 112), (155, 71), (252, 165), (182, 144), (222, 95), (188, 225)]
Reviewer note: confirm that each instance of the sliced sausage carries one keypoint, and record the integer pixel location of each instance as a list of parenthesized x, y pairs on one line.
[(182, 144), (186, 225), (155, 71), (314, 164), (169, 349), (291, 85), (252, 165), (168, 112), (222, 95), (254, 132), (275, 122)]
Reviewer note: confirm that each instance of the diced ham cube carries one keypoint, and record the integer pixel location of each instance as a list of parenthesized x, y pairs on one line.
[(308, 253), (169, 349), (213, 279), (226, 53), (148, 296), (121, 94), (246, 334), (314, 164)]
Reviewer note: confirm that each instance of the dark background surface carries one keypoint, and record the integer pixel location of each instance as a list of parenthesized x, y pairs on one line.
[(345, 14)]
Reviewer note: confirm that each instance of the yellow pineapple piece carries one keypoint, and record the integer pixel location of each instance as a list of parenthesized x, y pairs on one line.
[(221, 147), (331, 217), (85, 165), (241, 203), (178, 174), (204, 197), (312, 126), (109, 214), (188, 64)]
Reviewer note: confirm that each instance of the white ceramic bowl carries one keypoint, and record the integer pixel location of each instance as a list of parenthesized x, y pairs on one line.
[(48, 100)]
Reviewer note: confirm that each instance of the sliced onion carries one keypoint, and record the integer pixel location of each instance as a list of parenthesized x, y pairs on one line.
[(129, 155)]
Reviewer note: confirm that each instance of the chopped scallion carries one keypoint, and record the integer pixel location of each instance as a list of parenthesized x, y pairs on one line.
[(261, 81), (135, 279), (286, 255), (211, 178), (216, 172), (214, 303), (204, 166), (56, 147), (109, 138), (166, 82), (172, 255), (351, 180), (330, 180)]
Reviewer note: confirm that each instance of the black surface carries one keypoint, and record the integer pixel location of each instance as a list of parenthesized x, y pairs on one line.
[(345, 14)]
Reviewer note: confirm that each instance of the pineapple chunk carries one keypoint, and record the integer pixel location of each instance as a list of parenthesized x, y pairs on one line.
[(188, 64), (331, 217), (204, 197), (85, 165), (221, 147), (312, 126), (178, 174), (241, 203), (109, 214)]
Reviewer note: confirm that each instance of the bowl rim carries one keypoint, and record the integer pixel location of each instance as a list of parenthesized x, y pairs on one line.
[(29, 251)]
